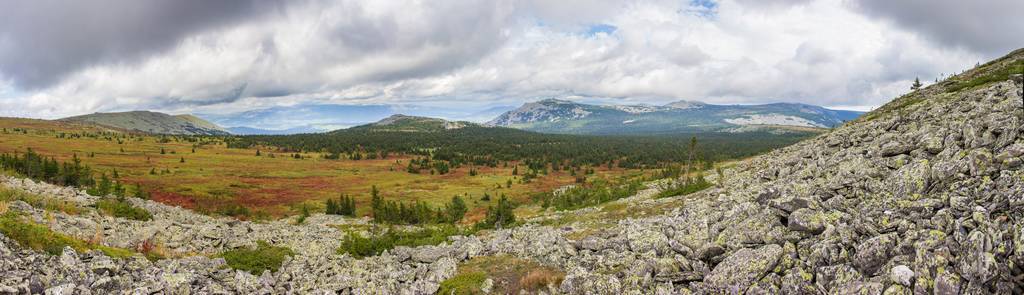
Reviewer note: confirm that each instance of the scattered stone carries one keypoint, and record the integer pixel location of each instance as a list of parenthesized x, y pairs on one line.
[(901, 274)]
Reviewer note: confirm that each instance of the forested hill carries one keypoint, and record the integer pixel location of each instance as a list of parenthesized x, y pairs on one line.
[(490, 145)]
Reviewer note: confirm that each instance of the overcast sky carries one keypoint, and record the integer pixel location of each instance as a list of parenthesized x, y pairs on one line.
[(61, 58)]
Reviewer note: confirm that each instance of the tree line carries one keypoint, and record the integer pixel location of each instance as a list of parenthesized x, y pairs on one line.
[(486, 146)]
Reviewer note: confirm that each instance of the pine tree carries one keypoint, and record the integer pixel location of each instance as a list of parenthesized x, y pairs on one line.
[(917, 84), (689, 159), (331, 207), (376, 203), (500, 215), (456, 210)]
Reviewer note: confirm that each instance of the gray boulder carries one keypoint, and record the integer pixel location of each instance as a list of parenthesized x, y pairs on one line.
[(741, 269)]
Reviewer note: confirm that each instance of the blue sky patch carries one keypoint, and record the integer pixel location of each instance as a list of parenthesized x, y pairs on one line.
[(593, 30), (703, 8)]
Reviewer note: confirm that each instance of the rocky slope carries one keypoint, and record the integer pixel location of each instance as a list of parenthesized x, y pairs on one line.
[(561, 116), (151, 122), (923, 196)]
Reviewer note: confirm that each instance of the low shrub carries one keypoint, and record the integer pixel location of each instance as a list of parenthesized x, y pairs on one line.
[(255, 261), (591, 194), (122, 209), (696, 185), (359, 246), (463, 284)]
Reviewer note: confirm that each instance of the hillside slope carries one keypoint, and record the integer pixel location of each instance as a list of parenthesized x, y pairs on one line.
[(561, 116), (922, 196), (152, 122)]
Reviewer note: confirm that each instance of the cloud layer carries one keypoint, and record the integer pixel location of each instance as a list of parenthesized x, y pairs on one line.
[(59, 58)]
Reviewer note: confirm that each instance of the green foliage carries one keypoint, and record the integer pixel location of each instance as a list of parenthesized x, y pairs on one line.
[(345, 205), (123, 209), (35, 166), (695, 185), (455, 210), (464, 284), (591, 194), (256, 261), (103, 187), (499, 216), (302, 215), (359, 246), (419, 212)]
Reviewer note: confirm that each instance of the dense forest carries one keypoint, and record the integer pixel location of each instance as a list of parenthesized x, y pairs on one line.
[(488, 146)]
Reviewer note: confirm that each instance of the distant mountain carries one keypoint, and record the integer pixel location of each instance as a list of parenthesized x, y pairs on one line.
[(152, 122), (562, 116), (307, 118), (258, 131), (405, 123)]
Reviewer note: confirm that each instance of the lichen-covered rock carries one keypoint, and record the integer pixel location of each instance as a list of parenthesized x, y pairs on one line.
[(901, 274), (874, 252), (807, 220), (742, 268)]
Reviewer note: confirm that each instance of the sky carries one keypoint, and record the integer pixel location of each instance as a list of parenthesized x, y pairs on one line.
[(61, 58)]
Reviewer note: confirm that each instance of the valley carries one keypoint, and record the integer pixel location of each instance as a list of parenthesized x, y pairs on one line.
[(216, 179), (704, 147), (266, 178)]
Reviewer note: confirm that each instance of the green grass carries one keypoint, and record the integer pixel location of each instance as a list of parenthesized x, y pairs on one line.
[(359, 246), (10, 195), (463, 284), (255, 261), (41, 238), (123, 209), (997, 75)]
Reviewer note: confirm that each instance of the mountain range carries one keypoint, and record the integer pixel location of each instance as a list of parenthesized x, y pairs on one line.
[(546, 116), (562, 116)]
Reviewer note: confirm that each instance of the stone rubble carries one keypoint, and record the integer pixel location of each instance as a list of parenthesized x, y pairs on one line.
[(927, 199)]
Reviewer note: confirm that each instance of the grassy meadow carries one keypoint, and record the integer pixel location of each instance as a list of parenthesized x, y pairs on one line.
[(205, 175)]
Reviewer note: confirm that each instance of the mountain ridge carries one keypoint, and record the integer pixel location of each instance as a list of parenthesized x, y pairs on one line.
[(151, 122), (563, 116)]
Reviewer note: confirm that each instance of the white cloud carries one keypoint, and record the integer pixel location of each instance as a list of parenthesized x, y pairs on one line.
[(474, 53)]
